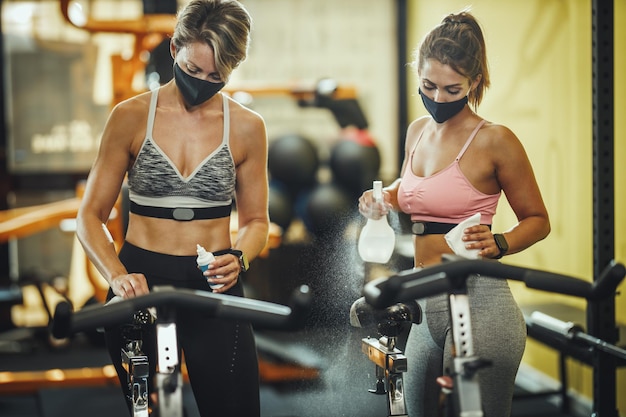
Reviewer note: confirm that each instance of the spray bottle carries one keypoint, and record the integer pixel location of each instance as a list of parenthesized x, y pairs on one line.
[(377, 239)]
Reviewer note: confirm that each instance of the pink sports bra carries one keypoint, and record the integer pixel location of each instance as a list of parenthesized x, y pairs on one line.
[(446, 196)]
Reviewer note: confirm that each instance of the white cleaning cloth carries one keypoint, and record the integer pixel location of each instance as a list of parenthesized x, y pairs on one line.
[(453, 238)]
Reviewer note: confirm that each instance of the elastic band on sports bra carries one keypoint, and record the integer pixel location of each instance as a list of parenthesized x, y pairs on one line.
[(183, 214), (433, 228)]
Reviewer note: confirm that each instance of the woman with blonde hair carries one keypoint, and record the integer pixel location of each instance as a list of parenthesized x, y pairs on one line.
[(189, 152)]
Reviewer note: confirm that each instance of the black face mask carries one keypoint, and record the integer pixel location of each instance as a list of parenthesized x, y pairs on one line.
[(194, 90), (443, 111)]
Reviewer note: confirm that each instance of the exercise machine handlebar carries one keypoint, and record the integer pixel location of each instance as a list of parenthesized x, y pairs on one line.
[(259, 313), (572, 331), (452, 273)]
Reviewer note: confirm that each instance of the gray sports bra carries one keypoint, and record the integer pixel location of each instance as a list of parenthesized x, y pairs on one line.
[(155, 182)]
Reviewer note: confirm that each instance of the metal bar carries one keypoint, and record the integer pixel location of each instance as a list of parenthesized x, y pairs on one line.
[(601, 313)]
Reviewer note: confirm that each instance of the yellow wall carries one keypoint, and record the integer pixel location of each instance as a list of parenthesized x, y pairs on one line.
[(540, 61)]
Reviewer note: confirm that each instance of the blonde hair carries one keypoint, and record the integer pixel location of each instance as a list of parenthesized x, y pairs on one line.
[(224, 25), (458, 42)]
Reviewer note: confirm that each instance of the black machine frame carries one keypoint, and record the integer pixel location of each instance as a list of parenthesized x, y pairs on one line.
[(165, 300)]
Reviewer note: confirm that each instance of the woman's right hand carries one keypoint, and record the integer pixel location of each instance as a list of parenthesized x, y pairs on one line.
[(372, 209), (130, 285)]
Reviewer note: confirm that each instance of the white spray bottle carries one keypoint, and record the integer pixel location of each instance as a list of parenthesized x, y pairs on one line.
[(377, 239)]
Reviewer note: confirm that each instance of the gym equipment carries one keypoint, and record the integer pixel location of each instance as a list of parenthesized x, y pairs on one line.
[(38, 290), (390, 362), (293, 160), (327, 210), (165, 300), (450, 277), (149, 31), (574, 332), (135, 362), (345, 109), (354, 165), (21, 222), (565, 346), (601, 315), (280, 205), (354, 159)]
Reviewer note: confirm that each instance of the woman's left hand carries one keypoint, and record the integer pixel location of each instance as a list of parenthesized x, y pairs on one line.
[(228, 267), (480, 237)]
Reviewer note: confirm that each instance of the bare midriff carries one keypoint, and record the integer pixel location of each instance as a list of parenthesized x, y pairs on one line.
[(174, 237), (429, 248)]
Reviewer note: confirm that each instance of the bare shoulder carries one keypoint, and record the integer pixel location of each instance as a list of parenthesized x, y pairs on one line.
[(498, 137), (132, 108), (245, 122), (415, 130), (245, 115), (126, 126), (497, 134), (500, 142), (418, 124)]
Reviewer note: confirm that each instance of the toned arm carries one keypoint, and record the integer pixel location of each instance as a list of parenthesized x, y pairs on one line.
[(515, 175), (250, 151), (103, 187)]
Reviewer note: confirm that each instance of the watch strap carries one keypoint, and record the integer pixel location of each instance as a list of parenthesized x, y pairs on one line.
[(502, 245), (243, 260)]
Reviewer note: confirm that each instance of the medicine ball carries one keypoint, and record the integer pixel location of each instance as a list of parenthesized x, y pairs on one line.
[(293, 160), (354, 166), (281, 209), (328, 210)]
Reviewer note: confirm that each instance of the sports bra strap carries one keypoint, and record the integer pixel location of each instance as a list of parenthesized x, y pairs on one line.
[(470, 139), (225, 104), (152, 111)]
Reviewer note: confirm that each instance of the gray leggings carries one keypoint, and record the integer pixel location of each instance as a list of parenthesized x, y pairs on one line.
[(499, 335)]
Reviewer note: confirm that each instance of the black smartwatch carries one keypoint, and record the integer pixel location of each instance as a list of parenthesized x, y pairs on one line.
[(502, 245), (243, 260)]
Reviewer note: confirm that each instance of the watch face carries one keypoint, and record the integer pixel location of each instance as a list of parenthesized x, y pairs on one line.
[(501, 243)]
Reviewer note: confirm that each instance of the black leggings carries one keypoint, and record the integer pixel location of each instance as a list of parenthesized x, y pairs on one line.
[(220, 354)]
